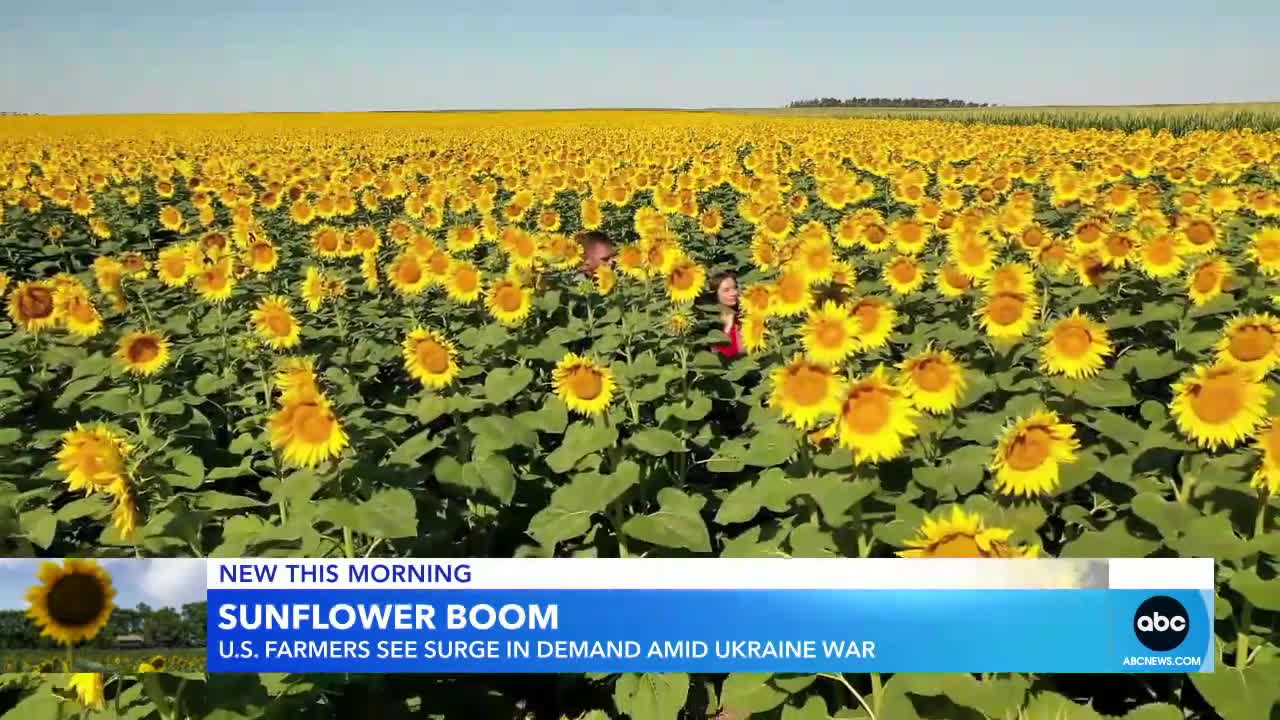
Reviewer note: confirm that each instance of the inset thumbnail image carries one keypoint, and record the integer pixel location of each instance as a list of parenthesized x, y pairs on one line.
[(102, 616)]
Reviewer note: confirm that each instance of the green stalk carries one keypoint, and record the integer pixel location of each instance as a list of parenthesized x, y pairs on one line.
[(348, 542)]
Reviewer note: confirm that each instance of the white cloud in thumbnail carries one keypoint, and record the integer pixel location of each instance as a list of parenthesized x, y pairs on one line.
[(172, 582)]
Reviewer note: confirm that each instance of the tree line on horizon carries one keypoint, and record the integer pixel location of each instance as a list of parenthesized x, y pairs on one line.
[(886, 102), (161, 627)]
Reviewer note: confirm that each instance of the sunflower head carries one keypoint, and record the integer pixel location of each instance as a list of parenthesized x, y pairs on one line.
[(72, 602), (1219, 405), (584, 385), (1252, 341), (93, 458), (509, 301), (804, 391), (830, 334), (430, 357), (1076, 346), (32, 306), (963, 535), (875, 418), (307, 432), (1030, 453), (143, 353), (933, 380)]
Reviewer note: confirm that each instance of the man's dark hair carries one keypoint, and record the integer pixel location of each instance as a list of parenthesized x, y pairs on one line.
[(591, 238)]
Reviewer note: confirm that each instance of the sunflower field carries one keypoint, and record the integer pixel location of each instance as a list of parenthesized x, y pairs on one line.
[(373, 335)]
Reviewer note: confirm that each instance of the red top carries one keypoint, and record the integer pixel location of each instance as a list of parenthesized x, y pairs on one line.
[(734, 346)]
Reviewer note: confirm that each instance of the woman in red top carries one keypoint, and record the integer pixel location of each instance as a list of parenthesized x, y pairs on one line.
[(726, 289)]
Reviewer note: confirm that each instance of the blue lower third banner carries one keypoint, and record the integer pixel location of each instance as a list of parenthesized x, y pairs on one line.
[(1102, 630)]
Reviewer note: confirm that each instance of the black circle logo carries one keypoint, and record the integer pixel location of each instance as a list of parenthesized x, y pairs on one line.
[(1161, 623)]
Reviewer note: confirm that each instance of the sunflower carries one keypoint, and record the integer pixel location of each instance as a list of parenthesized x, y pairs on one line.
[(757, 300), (89, 688), (369, 270), (1267, 442), (307, 432), (171, 218), (933, 380), (875, 417), (33, 306), (1076, 346), (584, 385), (679, 322), (1264, 249), (1014, 278), (754, 331), (407, 275), (1220, 404), (262, 256), (77, 311), (464, 284), (274, 322), (830, 334), (1008, 316), (143, 353), (215, 282), (904, 275), (296, 378), (94, 458), (604, 278), (791, 295), (1208, 280), (1161, 255), (1031, 452), (1251, 341), (972, 255), (430, 358), (154, 664), (963, 535), (72, 602), (815, 257), (509, 302), (804, 391), (951, 282), (876, 319), (174, 264), (685, 280)]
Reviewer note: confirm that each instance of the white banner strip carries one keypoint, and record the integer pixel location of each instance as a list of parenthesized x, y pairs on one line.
[(711, 574)]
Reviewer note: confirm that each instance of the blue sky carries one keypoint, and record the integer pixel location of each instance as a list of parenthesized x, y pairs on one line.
[(78, 56), (158, 583)]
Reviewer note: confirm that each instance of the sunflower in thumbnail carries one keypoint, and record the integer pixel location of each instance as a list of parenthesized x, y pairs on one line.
[(584, 385), (72, 602)]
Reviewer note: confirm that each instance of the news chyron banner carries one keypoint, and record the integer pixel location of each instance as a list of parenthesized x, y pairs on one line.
[(711, 615)]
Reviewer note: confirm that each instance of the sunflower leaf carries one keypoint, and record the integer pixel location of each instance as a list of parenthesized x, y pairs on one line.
[(677, 524), (503, 384), (1112, 541)]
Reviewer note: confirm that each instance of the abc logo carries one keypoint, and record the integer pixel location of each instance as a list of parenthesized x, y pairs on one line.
[(1161, 623)]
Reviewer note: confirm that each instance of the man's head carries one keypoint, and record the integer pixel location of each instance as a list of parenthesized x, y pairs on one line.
[(597, 249)]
